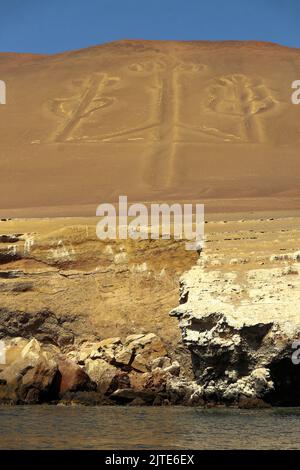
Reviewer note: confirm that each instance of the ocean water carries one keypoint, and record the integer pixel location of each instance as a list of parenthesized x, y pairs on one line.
[(57, 427)]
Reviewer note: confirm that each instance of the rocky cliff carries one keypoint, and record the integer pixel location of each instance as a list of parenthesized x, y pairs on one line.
[(62, 285), (240, 321), (86, 321)]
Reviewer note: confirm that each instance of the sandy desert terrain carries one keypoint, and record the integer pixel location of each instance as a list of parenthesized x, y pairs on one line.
[(157, 121)]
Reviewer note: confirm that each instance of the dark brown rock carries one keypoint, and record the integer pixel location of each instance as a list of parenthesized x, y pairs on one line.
[(85, 398), (127, 395), (40, 383), (73, 378), (252, 403), (138, 401), (119, 381), (156, 381)]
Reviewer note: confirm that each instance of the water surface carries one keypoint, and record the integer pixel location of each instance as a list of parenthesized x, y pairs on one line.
[(56, 427)]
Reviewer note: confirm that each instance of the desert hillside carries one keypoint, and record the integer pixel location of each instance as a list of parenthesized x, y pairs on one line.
[(154, 120)]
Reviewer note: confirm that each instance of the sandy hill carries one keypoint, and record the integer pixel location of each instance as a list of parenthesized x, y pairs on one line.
[(202, 121)]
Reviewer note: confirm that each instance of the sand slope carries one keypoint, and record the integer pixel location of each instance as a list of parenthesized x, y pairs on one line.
[(153, 120)]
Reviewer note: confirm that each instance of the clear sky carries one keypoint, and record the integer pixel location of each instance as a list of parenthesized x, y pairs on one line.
[(49, 26)]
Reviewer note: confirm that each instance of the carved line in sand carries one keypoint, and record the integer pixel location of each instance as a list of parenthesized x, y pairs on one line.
[(81, 108), (243, 100), (237, 97), (168, 104), (240, 99)]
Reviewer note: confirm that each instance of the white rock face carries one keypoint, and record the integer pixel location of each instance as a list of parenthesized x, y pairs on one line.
[(239, 324)]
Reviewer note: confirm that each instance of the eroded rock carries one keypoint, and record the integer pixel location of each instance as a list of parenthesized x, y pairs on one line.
[(30, 374), (240, 330), (93, 373), (73, 378)]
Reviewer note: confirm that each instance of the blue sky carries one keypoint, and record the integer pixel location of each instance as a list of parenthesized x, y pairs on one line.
[(49, 26)]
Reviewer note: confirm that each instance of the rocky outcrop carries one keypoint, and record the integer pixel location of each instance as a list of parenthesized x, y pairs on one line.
[(30, 374), (240, 325), (137, 369), (73, 378), (44, 325), (94, 303), (134, 371), (59, 283)]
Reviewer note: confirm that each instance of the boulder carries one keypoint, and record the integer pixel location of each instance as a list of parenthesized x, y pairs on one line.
[(107, 349), (141, 363), (128, 395), (73, 378), (180, 391), (124, 395), (125, 356), (147, 348), (33, 349), (13, 348), (252, 403), (101, 373), (156, 381), (173, 369), (120, 381), (30, 376), (161, 363), (109, 343)]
